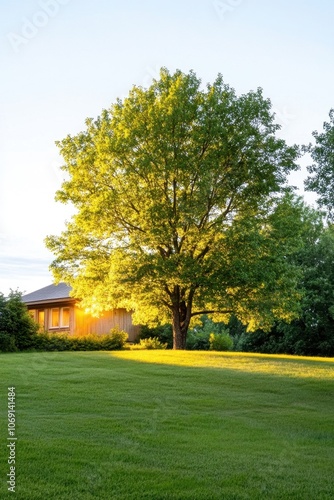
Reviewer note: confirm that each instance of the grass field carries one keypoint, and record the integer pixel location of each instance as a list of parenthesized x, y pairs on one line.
[(155, 425)]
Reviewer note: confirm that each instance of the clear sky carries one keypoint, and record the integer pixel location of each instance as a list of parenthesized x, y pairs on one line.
[(65, 60)]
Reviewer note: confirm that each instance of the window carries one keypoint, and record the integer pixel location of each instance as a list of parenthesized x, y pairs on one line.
[(55, 318), (40, 317), (60, 317)]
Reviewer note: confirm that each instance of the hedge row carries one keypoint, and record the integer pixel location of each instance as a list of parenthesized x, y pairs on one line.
[(116, 339)]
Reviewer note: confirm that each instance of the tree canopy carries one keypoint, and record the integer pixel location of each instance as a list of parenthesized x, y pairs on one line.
[(312, 333), (315, 326), (321, 179), (180, 207)]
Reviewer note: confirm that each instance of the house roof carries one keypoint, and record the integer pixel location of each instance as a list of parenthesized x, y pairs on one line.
[(48, 293)]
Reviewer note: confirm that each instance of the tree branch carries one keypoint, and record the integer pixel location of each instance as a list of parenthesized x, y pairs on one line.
[(164, 253), (167, 290), (200, 313), (203, 252), (167, 304)]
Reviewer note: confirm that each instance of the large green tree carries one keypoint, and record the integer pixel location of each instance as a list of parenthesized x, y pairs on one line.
[(321, 179), (178, 190)]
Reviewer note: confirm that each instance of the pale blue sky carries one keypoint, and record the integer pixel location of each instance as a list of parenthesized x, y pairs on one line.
[(65, 60)]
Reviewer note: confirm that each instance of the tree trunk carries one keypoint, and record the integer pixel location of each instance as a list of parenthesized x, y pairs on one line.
[(181, 320)]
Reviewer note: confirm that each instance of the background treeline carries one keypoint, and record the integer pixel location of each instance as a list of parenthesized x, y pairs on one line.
[(311, 334)]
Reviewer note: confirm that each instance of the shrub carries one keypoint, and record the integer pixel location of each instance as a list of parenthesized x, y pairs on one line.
[(163, 333), (220, 342), (7, 342), (198, 338), (150, 343), (198, 341), (51, 342), (116, 339), (16, 326)]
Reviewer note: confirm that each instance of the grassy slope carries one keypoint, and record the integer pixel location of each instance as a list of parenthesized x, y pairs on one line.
[(169, 425)]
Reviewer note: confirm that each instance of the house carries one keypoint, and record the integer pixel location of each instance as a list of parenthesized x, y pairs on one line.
[(57, 312)]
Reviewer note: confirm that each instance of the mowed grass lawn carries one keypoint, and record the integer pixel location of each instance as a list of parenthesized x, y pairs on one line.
[(169, 425)]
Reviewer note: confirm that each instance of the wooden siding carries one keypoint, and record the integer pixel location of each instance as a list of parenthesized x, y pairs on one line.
[(117, 318)]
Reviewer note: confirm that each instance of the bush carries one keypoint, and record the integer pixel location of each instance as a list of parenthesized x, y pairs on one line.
[(198, 341), (116, 339), (164, 333), (220, 342), (198, 338), (16, 326), (7, 342), (150, 343), (51, 342)]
